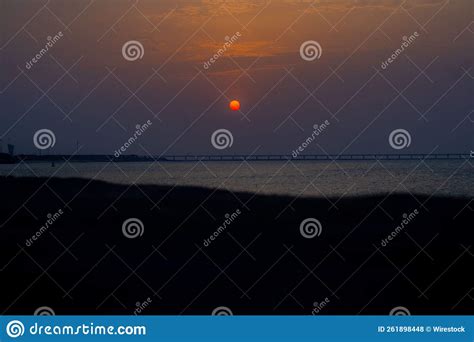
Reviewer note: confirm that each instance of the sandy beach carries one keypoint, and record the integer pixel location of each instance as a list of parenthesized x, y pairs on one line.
[(188, 250)]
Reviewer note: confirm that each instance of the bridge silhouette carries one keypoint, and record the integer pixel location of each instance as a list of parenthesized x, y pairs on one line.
[(242, 157), (316, 157)]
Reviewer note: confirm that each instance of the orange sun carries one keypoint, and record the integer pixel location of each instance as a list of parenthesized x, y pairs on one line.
[(234, 105)]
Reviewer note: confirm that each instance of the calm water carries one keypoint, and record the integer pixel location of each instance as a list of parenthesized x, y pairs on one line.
[(297, 178)]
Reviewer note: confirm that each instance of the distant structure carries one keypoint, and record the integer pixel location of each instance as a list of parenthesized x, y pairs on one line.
[(7, 156), (230, 158), (317, 157), (10, 148)]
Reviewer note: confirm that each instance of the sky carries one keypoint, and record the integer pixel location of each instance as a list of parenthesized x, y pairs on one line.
[(87, 93)]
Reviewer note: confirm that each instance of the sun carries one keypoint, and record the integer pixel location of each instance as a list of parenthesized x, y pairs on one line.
[(234, 105)]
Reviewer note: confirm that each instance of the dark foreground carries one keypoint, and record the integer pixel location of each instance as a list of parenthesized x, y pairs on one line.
[(259, 264)]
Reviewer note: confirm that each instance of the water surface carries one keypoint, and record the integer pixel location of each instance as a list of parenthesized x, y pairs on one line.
[(298, 178)]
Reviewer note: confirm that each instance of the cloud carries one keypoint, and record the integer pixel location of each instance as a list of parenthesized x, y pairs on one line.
[(344, 4)]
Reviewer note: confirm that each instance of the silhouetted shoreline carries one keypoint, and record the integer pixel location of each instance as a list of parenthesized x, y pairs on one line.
[(81, 262)]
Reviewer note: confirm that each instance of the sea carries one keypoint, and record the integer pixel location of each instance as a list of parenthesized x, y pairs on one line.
[(294, 178)]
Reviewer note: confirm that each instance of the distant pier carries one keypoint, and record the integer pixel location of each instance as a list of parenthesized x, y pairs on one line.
[(316, 157), (241, 157)]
